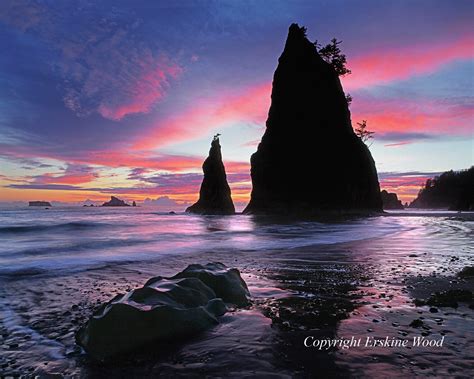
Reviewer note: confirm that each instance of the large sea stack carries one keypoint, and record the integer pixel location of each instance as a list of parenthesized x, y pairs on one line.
[(309, 160), (214, 196)]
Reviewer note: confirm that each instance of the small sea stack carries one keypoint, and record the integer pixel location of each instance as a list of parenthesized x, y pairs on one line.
[(115, 202), (390, 200), (309, 160), (214, 195)]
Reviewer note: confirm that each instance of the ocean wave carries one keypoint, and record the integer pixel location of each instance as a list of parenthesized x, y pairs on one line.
[(22, 272), (71, 248), (68, 226)]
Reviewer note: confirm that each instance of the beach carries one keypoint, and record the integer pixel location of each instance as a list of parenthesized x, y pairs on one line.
[(355, 278)]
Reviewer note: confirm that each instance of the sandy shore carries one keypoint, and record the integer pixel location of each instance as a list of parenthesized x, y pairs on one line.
[(360, 289)]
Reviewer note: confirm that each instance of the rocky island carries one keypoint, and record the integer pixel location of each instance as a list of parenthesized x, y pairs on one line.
[(115, 202), (214, 195), (39, 204), (390, 200), (309, 160)]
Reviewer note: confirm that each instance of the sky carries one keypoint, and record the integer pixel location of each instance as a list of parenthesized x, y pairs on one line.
[(101, 98)]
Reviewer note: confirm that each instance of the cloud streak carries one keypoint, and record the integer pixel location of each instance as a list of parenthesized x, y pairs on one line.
[(74, 174), (400, 63), (226, 108), (396, 119), (405, 184)]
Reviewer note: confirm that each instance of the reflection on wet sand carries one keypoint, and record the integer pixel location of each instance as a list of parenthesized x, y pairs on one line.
[(365, 287)]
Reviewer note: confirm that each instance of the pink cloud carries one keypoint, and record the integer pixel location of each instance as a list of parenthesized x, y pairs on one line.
[(120, 158), (399, 115), (405, 184), (143, 92), (142, 159), (403, 62), (74, 174), (397, 144), (250, 105)]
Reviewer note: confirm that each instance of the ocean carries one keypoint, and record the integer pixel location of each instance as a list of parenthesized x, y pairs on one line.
[(36, 240), (351, 278)]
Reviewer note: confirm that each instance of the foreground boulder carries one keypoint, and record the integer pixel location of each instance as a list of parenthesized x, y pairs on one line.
[(309, 160), (214, 195), (226, 283), (390, 200), (163, 310), (115, 202)]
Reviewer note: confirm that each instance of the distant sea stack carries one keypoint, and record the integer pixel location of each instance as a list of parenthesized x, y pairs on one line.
[(390, 200), (39, 204), (214, 196), (309, 160), (453, 190), (115, 202)]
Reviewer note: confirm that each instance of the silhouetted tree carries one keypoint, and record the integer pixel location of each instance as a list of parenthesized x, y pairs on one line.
[(349, 99), (332, 54), (362, 132)]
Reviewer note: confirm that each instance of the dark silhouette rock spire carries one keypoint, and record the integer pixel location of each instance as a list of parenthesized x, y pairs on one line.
[(390, 200), (214, 196), (309, 159)]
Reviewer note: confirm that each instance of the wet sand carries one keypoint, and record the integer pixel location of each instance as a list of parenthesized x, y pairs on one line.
[(363, 288)]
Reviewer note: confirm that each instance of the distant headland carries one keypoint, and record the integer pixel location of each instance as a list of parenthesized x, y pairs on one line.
[(453, 190)]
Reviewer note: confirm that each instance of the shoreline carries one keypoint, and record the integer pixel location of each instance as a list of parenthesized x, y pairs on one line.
[(326, 291)]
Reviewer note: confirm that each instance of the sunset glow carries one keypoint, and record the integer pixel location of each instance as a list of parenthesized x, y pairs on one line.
[(127, 102)]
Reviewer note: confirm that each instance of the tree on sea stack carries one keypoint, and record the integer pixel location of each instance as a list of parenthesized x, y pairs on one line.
[(362, 132), (332, 54), (214, 195)]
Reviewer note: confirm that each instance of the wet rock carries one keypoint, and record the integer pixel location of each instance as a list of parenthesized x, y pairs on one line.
[(450, 298), (417, 323), (226, 283), (163, 310), (214, 195), (309, 160), (467, 272)]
